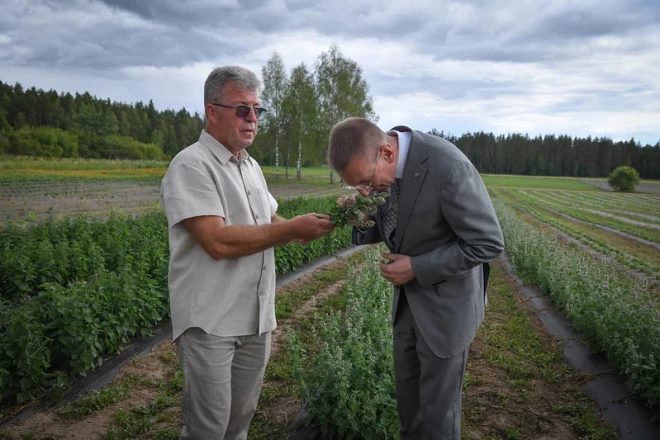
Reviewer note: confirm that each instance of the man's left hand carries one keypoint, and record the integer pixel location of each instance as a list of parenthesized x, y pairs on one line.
[(398, 271)]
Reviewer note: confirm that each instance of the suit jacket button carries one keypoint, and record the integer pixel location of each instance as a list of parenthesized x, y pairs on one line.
[(416, 175)]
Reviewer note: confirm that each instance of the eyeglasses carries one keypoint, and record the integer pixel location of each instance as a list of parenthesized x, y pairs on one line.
[(242, 111), (371, 181)]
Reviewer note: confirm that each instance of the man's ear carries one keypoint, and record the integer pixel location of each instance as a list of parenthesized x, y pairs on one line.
[(211, 113), (387, 152)]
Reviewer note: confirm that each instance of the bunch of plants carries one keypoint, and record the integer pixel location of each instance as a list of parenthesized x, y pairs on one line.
[(354, 211), (345, 365), (294, 255), (74, 291), (615, 312)]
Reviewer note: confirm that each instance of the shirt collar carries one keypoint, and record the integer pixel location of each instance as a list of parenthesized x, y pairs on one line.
[(219, 150), (405, 138)]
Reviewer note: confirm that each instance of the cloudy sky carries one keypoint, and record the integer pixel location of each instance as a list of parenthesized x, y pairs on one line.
[(586, 67)]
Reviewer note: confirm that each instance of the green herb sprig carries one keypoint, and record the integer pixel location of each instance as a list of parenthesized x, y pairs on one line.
[(354, 213)]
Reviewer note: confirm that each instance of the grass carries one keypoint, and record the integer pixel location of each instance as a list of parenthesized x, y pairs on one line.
[(530, 363), (541, 182), (98, 400), (314, 172), (290, 300), (42, 163)]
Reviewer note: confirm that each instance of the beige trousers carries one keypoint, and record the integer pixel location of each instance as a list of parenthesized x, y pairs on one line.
[(222, 378)]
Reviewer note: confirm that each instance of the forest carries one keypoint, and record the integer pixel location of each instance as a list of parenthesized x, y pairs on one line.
[(302, 107)]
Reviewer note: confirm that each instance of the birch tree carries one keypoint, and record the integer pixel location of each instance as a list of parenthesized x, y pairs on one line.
[(341, 90), (275, 89), (301, 106)]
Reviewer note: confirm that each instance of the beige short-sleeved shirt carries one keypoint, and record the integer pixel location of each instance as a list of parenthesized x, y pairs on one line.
[(230, 296)]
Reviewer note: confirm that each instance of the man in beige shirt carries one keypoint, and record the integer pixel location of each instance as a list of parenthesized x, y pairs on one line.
[(223, 226)]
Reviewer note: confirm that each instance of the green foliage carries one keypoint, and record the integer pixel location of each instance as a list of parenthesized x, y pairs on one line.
[(43, 141), (125, 147), (623, 179), (615, 312), (73, 291), (295, 255), (348, 383), (354, 213), (92, 121)]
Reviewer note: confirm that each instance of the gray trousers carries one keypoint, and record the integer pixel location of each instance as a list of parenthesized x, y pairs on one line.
[(222, 378), (428, 388)]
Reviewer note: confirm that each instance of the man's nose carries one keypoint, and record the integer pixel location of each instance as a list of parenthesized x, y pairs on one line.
[(252, 116), (364, 191)]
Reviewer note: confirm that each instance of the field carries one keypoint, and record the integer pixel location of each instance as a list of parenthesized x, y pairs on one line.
[(595, 252), (32, 190)]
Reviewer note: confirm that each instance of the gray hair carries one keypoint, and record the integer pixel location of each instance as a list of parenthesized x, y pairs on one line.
[(352, 137), (220, 76)]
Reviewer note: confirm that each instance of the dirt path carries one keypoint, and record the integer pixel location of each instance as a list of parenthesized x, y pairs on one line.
[(155, 366)]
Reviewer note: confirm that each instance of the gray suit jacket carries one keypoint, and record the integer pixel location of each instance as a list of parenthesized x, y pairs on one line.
[(447, 225)]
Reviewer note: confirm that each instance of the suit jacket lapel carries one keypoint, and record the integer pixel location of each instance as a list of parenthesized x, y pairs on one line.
[(414, 174)]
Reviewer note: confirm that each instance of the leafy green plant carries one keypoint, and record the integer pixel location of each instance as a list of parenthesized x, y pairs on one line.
[(348, 382), (73, 291)]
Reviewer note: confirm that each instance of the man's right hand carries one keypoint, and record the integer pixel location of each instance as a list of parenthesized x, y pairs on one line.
[(309, 227)]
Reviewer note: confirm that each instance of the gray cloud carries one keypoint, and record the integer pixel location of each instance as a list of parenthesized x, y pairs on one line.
[(119, 33), (599, 55)]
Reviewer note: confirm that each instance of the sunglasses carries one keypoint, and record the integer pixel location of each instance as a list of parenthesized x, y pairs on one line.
[(242, 111)]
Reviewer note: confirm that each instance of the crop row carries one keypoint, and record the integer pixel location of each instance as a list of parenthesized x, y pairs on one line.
[(633, 205), (631, 213), (616, 313), (348, 382), (74, 291), (646, 232), (645, 259)]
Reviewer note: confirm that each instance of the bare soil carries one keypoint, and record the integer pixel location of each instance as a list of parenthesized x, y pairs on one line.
[(42, 200)]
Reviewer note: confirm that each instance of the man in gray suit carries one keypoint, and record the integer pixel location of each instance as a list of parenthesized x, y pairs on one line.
[(441, 229)]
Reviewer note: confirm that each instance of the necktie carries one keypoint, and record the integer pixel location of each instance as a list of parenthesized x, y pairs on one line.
[(389, 219)]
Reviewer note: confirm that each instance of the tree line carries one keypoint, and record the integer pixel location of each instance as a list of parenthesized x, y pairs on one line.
[(302, 104), (35, 122), (553, 155)]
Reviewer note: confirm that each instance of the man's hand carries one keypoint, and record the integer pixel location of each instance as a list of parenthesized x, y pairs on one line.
[(311, 226), (398, 270)]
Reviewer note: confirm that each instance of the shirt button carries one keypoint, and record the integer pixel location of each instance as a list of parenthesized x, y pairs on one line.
[(249, 193), (257, 216), (261, 293), (263, 268)]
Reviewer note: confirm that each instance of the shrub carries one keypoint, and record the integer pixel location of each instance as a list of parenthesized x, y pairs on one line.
[(623, 179)]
